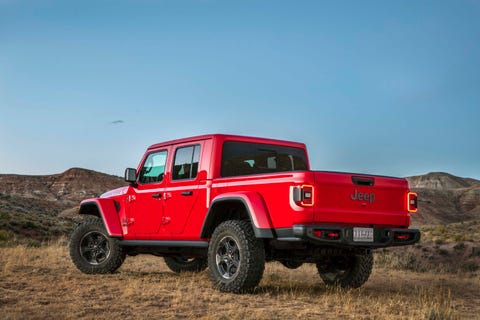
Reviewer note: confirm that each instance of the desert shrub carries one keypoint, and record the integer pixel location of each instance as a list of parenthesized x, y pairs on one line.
[(440, 230), (475, 252), (443, 252), (4, 235), (28, 225), (470, 266), (410, 262), (4, 216), (13, 223), (459, 246), (459, 237), (401, 261), (32, 243)]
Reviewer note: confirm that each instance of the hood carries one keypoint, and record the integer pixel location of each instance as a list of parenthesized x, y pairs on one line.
[(115, 192)]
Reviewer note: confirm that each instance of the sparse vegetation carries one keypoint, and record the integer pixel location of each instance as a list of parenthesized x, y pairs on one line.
[(28, 223), (38, 283), (454, 232), (440, 250)]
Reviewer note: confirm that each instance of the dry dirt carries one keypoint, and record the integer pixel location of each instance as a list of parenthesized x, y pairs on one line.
[(42, 283)]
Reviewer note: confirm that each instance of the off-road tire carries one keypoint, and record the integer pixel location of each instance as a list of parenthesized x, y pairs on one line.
[(92, 250), (180, 264), (346, 270), (236, 258)]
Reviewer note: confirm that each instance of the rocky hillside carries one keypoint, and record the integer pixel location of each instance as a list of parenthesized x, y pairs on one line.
[(69, 187), (444, 198), (40, 207)]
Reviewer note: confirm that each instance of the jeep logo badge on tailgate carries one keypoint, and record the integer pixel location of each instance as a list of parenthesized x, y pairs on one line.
[(370, 197)]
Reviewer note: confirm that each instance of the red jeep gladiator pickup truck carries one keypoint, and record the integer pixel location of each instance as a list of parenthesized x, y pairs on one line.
[(231, 203)]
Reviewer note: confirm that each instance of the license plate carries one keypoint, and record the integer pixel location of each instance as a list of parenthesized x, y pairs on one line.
[(363, 234)]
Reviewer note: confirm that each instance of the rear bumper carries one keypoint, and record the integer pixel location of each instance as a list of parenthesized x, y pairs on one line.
[(344, 236)]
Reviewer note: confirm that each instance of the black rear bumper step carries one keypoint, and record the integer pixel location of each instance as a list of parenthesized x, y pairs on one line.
[(343, 236)]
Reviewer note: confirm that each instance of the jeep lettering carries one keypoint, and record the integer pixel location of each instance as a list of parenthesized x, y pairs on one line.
[(370, 197)]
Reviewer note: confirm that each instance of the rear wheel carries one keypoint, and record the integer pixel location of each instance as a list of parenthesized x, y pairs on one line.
[(92, 250), (346, 270), (236, 258), (181, 264)]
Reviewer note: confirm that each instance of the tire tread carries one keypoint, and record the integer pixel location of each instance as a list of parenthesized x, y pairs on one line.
[(253, 250), (117, 254)]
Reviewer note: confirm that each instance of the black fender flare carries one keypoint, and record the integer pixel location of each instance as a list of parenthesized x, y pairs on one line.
[(255, 209)]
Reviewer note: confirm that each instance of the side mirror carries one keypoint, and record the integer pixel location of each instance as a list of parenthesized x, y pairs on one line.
[(130, 175)]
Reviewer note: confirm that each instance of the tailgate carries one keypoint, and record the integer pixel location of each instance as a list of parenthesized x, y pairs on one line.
[(356, 199)]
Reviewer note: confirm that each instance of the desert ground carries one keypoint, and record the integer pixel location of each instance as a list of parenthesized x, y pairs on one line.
[(42, 283)]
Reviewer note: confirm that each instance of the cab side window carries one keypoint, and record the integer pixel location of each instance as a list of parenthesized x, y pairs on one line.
[(153, 168), (185, 165)]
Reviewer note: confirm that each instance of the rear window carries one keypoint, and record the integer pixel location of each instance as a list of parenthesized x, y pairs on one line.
[(243, 158)]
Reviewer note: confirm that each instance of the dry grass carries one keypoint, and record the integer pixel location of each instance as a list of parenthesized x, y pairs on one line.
[(39, 283)]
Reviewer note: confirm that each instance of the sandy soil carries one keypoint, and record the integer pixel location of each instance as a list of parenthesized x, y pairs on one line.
[(40, 283)]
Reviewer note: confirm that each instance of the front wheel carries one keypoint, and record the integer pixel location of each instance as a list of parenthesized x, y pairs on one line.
[(236, 258), (92, 250), (181, 264), (346, 270)]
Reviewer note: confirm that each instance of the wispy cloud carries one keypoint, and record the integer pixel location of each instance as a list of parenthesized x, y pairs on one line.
[(117, 122)]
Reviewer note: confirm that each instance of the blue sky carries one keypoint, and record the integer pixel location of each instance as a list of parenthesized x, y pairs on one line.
[(383, 87)]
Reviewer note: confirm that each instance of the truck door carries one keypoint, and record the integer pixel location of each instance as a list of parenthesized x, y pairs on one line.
[(146, 201), (182, 190)]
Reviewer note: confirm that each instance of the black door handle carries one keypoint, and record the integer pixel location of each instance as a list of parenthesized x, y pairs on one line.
[(187, 193), (157, 195)]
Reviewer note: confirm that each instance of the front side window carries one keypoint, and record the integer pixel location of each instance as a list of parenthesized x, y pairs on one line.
[(244, 158), (153, 168), (185, 165)]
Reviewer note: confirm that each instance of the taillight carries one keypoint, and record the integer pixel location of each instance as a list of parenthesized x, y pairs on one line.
[(402, 237), (412, 202), (303, 195), (318, 233)]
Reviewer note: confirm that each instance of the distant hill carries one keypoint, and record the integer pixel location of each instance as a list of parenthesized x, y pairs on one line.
[(70, 186), (445, 198), (42, 207), (442, 181)]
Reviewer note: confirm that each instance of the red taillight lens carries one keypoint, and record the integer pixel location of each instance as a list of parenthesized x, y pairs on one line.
[(304, 195), (402, 237), (333, 235), (412, 202)]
